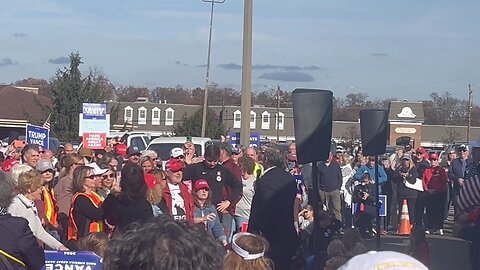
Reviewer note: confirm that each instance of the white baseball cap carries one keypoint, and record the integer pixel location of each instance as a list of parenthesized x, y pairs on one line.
[(176, 152), (96, 169), (387, 260)]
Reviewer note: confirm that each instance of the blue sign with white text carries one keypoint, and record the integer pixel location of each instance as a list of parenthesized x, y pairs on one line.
[(97, 111), (254, 139), (77, 260), (37, 135)]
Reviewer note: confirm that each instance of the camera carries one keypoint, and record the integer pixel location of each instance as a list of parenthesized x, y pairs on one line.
[(361, 193)]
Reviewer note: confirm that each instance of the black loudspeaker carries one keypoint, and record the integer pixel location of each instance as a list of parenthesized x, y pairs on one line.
[(313, 121), (374, 130), (12, 136)]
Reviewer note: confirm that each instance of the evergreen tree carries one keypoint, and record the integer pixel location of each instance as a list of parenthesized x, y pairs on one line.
[(192, 126), (69, 91)]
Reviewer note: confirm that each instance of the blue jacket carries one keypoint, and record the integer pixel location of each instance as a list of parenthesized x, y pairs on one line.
[(382, 176), (457, 171), (214, 226)]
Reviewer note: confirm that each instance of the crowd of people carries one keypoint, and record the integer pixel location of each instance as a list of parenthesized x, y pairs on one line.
[(231, 208)]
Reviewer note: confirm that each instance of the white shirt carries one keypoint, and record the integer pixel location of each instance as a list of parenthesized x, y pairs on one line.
[(25, 208), (178, 204), (245, 204)]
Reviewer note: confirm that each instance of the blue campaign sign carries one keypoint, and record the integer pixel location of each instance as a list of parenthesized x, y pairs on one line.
[(78, 260), (383, 206), (97, 111), (235, 138), (37, 135)]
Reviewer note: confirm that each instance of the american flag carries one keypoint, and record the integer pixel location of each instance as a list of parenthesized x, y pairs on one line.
[(47, 122), (469, 195)]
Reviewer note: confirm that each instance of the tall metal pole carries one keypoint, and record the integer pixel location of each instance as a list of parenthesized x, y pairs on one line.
[(470, 97), (207, 77), (278, 114), (246, 72), (377, 199)]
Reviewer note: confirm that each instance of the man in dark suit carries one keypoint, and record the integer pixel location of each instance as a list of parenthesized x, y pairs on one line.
[(272, 213)]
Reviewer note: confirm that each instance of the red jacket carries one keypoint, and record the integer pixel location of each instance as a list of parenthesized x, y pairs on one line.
[(435, 178), (187, 199)]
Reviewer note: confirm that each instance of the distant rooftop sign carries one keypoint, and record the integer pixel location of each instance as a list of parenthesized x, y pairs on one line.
[(406, 113)]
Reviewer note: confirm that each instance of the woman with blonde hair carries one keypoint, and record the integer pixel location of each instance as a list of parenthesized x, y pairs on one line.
[(248, 253), (406, 172), (155, 191), (30, 186), (63, 189), (147, 164)]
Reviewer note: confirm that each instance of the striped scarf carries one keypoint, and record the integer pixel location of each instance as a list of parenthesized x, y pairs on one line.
[(3, 211)]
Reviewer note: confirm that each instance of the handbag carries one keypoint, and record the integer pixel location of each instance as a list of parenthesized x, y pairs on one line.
[(418, 185)]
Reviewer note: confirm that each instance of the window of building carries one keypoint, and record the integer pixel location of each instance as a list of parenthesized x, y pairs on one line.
[(279, 121), (237, 119), (253, 119), (169, 115), (128, 114), (156, 116), (265, 120), (142, 116)]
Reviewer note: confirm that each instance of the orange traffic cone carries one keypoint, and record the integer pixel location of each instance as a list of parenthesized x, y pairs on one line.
[(405, 227)]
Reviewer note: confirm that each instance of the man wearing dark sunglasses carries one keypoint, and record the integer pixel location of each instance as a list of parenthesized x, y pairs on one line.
[(459, 171), (133, 155)]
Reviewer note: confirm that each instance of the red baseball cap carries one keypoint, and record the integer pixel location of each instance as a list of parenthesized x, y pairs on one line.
[(433, 157), (421, 150), (201, 184), (175, 165), (8, 164), (150, 180), (121, 149)]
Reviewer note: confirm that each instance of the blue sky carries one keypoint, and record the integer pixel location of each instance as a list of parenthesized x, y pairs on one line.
[(403, 49)]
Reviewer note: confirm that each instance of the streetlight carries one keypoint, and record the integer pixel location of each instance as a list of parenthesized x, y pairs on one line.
[(246, 72), (207, 77)]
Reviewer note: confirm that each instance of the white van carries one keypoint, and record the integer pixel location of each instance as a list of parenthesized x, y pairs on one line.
[(163, 145)]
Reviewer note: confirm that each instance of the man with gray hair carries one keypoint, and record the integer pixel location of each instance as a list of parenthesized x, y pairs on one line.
[(30, 155), (272, 213)]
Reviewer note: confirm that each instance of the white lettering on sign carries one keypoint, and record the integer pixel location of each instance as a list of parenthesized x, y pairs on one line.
[(69, 266), (36, 135), (99, 111)]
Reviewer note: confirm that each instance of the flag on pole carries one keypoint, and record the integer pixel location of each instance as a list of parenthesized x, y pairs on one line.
[(47, 122)]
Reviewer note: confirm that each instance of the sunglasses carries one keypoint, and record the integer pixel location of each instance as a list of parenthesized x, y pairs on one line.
[(179, 157), (464, 150), (41, 152), (105, 176), (211, 160), (91, 177)]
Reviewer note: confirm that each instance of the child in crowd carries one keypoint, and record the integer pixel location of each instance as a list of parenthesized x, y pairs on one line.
[(248, 252), (96, 242)]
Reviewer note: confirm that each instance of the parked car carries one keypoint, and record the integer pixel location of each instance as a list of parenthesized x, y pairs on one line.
[(164, 145)]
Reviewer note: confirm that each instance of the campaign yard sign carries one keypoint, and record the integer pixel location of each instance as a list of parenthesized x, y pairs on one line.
[(71, 260), (94, 140), (95, 111), (235, 139), (37, 135)]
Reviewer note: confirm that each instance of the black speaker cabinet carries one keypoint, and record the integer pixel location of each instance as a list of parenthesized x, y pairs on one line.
[(313, 120), (374, 131)]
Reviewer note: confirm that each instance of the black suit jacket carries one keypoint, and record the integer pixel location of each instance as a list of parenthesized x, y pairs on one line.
[(17, 239), (272, 215)]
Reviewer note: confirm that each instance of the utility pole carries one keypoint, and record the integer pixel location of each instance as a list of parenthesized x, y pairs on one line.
[(246, 72), (277, 118), (469, 110), (207, 77)]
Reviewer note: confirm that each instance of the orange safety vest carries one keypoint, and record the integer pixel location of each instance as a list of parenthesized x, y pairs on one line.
[(50, 205), (95, 225)]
